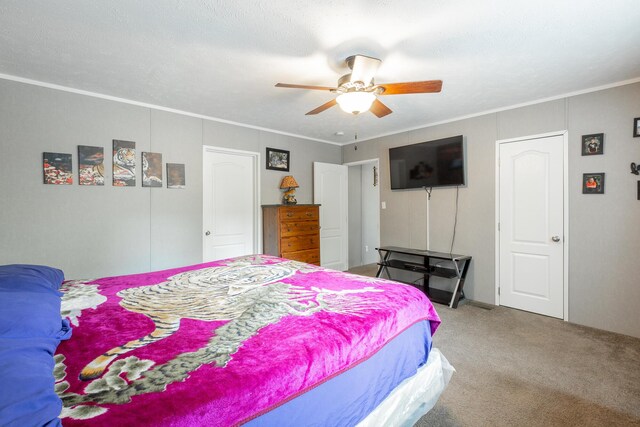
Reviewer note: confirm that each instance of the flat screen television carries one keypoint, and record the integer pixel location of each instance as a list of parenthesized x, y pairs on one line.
[(438, 163)]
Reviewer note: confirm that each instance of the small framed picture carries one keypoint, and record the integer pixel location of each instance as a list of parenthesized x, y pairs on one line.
[(151, 169), (57, 168), (636, 127), (593, 144), (278, 160), (593, 183), (175, 175), (124, 163), (90, 165)]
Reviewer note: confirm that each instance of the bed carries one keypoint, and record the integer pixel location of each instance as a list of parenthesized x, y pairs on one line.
[(254, 340)]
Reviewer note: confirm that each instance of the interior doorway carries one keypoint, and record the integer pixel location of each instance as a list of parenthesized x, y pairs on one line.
[(231, 217), (364, 212), (531, 232)]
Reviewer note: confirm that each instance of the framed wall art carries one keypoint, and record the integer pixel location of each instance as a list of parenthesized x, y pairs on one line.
[(636, 127), (57, 168), (593, 144), (124, 163), (175, 175), (90, 165), (151, 169), (278, 160), (593, 183)]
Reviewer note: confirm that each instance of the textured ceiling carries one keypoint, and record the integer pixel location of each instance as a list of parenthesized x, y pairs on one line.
[(222, 58)]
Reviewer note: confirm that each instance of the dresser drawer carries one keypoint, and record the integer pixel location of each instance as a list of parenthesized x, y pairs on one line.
[(292, 231), (311, 256), (298, 213), (296, 228), (298, 243)]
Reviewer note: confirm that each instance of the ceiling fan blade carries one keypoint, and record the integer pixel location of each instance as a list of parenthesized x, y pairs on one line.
[(379, 109), (427, 86), (363, 68), (323, 107), (292, 86)]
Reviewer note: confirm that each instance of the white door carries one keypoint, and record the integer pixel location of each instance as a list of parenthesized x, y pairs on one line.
[(230, 203), (531, 225), (330, 190)]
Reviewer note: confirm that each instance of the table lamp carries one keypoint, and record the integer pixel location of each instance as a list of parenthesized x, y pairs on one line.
[(289, 196)]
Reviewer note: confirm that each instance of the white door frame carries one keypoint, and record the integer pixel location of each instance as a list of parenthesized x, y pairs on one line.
[(362, 162), (257, 214), (565, 259), (377, 164)]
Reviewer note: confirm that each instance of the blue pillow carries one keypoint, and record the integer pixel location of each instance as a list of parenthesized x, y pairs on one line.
[(30, 330)]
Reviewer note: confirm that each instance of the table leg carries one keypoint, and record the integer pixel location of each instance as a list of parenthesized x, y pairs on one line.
[(383, 263)]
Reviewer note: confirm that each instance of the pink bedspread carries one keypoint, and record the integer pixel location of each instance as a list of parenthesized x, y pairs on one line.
[(220, 343)]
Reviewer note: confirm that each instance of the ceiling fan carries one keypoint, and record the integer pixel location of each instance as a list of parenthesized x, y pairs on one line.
[(357, 90)]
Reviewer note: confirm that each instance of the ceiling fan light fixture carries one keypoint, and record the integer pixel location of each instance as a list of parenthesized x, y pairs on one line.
[(355, 102), (357, 91)]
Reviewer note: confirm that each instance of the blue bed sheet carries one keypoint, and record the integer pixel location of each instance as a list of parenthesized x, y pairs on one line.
[(348, 398)]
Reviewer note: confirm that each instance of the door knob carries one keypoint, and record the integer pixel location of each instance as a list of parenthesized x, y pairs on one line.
[(207, 233), (555, 239)]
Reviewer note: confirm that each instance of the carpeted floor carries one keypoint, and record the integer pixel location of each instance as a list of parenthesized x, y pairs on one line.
[(515, 368)]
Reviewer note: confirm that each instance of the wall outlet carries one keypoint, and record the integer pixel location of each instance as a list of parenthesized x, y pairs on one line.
[(384, 205), (366, 248)]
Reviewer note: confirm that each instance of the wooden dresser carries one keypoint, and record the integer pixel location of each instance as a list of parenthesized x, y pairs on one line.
[(292, 232)]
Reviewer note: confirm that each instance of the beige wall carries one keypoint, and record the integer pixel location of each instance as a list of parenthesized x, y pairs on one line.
[(102, 231), (604, 230)]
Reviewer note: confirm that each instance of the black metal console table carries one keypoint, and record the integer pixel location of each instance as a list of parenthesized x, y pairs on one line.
[(456, 270)]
